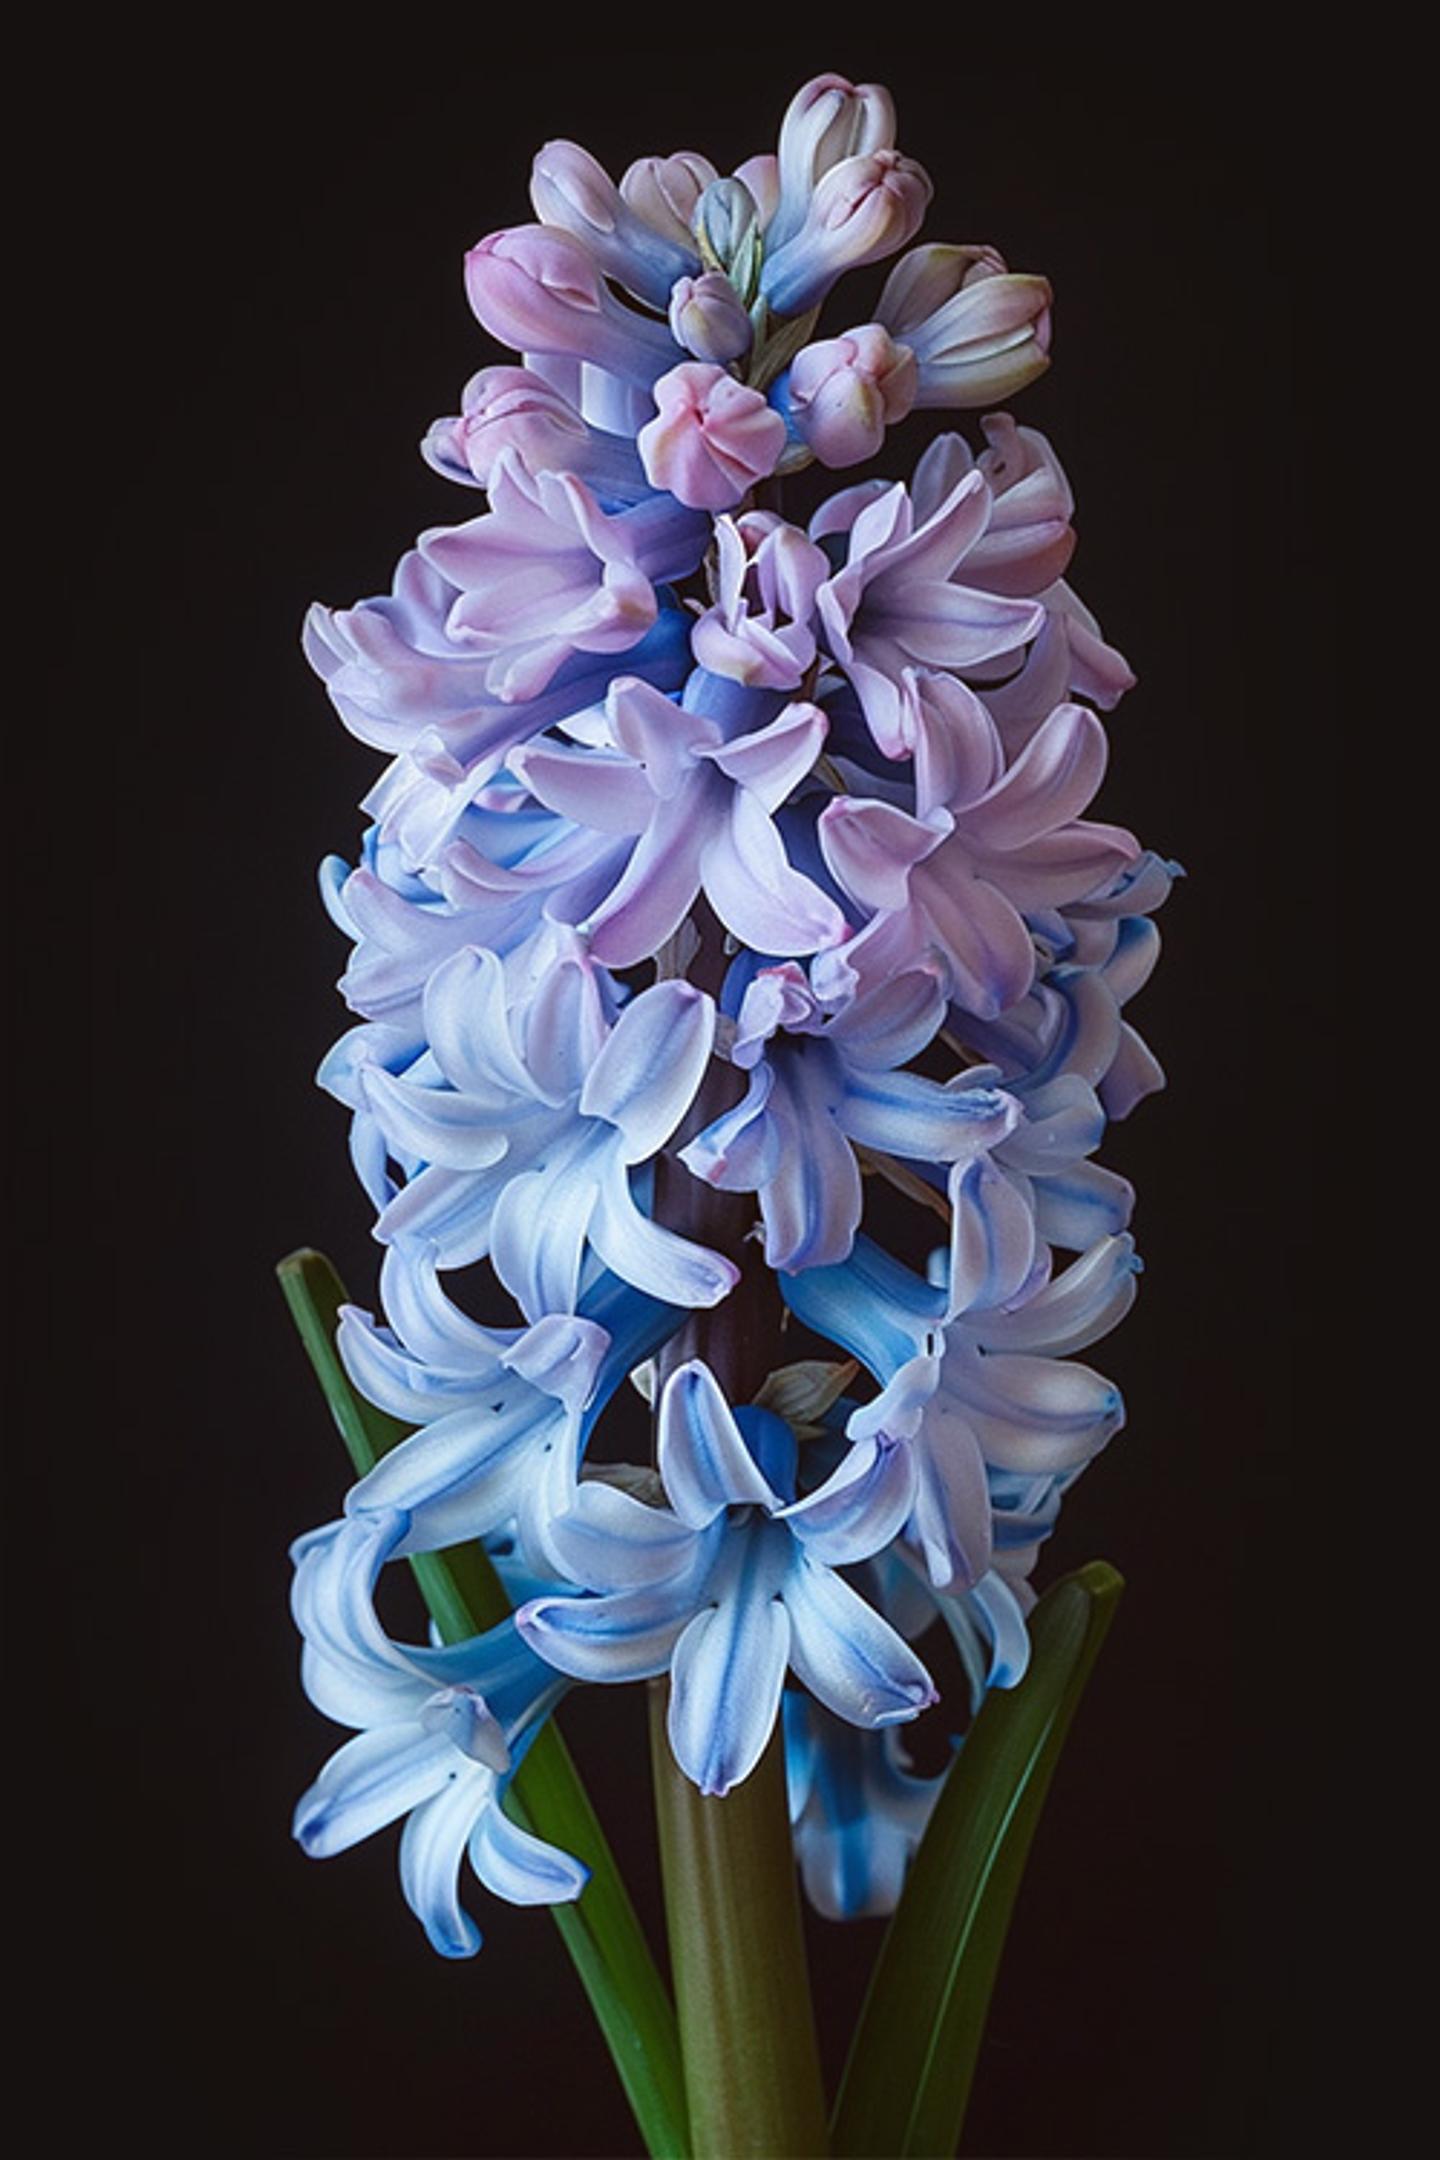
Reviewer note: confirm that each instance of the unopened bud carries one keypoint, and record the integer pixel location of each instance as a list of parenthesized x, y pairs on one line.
[(539, 290), (844, 392), (664, 191), (864, 209), (827, 120), (727, 229), (573, 192), (978, 331), (706, 317), (712, 439)]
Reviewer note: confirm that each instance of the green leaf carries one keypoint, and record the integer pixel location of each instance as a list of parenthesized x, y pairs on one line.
[(912, 2058), (464, 1596)]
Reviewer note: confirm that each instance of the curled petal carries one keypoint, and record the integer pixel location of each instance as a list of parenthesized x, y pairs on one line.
[(847, 1655)]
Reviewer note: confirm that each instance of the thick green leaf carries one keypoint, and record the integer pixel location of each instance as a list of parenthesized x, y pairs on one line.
[(465, 1596), (913, 2055)]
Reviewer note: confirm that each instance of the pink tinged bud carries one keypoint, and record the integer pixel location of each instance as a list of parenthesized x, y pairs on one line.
[(510, 408), (864, 209), (761, 175), (572, 191), (514, 409), (827, 120), (706, 317), (539, 290), (845, 392), (663, 191), (927, 277), (979, 332), (713, 438)]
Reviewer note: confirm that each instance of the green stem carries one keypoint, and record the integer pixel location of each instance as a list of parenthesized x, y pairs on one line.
[(752, 2073), (465, 1596), (732, 1903)]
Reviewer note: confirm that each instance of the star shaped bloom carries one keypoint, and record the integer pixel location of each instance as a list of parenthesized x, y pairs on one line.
[(502, 1415), (699, 798), (977, 1380), (439, 1733), (546, 573), (732, 1583), (521, 1126), (991, 843), (824, 1079), (896, 602)]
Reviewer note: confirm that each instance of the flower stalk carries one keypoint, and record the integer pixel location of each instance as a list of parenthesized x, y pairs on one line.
[(732, 1906)]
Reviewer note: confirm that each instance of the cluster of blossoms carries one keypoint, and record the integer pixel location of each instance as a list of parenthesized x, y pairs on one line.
[(721, 851)]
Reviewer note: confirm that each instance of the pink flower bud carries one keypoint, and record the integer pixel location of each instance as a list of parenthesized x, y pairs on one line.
[(510, 408), (706, 317), (827, 120), (539, 290), (713, 438), (863, 209), (572, 191), (761, 175), (845, 392), (664, 191), (978, 331)]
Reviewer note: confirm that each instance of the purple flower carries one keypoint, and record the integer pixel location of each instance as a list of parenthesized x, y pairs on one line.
[(698, 798), (824, 1080), (1002, 841), (897, 604), (545, 574)]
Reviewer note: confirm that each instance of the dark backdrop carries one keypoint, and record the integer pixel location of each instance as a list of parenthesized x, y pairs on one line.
[(254, 259)]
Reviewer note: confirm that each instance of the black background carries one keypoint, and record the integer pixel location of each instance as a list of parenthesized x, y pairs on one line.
[(250, 264)]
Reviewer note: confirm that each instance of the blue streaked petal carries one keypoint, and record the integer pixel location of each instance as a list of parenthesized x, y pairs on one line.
[(432, 1846), (430, 1326), (1092, 1296), (467, 1027), (1005, 1623), (1037, 1415), (388, 1376), (433, 1125), (352, 1671), (562, 1354), (992, 1238), (726, 1677), (920, 1119), (652, 1258), (645, 1078), (704, 1461), (861, 1505), (537, 1235), (1084, 1203), (373, 1780), (608, 1540), (625, 1637), (951, 1519), (871, 1305), (847, 1655), (521, 1868)]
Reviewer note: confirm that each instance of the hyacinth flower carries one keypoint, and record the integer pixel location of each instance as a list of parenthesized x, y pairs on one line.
[(734, 1583), (438, 1735), (728, 930)]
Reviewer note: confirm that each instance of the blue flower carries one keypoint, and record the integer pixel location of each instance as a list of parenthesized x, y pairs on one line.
[(439, 1733), (502, 1413), (734, 1582)]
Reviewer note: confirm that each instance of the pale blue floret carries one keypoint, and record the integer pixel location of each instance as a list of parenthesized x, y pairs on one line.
[(733, 1583), (502, 1415), (439, 1735)]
